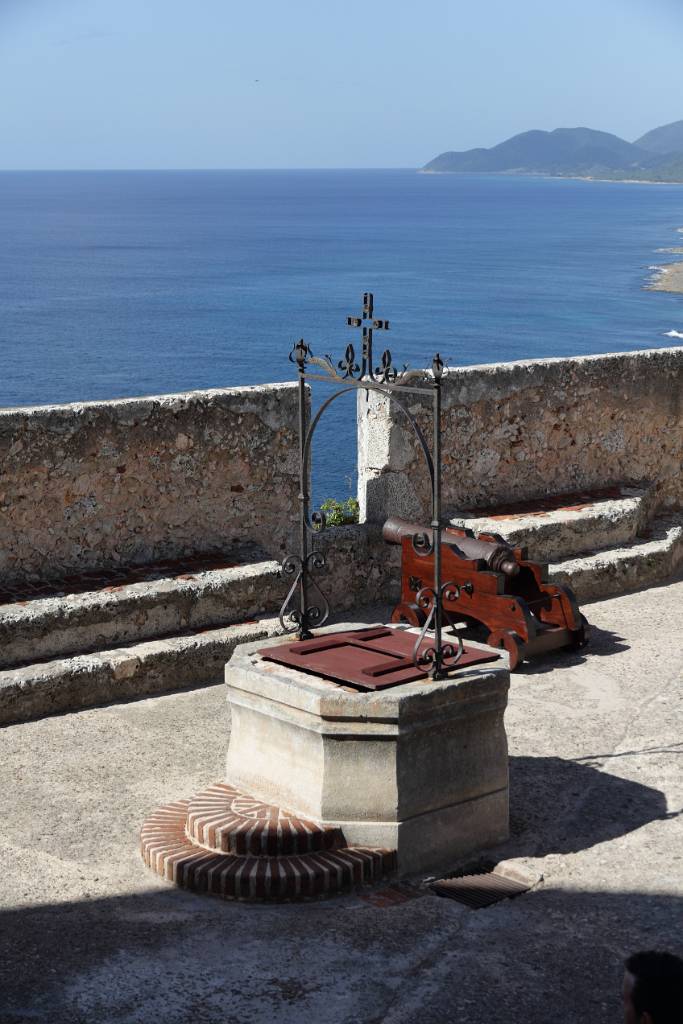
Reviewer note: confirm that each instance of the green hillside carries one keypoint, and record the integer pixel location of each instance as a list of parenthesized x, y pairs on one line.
[(575, 152)]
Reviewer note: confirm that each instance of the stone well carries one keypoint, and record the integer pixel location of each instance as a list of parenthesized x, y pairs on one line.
[(421, 768)]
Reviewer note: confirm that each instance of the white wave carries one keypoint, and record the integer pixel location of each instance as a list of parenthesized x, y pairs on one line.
[(673, 334)]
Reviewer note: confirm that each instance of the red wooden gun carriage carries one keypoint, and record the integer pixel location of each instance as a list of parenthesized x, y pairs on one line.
[(496, 587)]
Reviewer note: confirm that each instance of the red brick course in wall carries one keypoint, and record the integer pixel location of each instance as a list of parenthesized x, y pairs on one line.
[(113, 579)]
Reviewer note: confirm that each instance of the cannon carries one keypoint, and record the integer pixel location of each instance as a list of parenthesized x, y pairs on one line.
[(496, 587)]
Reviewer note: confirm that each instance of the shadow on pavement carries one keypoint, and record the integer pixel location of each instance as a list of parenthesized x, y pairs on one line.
[(162, 955), (602, 644), (561, 806)]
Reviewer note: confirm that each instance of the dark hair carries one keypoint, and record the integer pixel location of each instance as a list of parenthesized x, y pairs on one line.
[(657, 985)]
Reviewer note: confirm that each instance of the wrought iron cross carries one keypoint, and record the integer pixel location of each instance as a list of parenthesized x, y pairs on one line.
[(368, 323)]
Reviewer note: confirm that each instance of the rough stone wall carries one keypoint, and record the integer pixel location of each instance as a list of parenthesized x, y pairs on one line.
[(515, 431), (137, 480), (361, 569)]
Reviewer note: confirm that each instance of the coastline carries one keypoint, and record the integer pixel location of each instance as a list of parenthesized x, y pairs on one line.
[(565, 177), (668, 278)]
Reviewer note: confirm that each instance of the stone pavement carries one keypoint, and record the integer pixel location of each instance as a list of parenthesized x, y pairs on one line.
[(88, 935)]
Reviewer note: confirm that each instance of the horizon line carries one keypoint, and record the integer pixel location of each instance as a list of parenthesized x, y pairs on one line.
[(206, 170)]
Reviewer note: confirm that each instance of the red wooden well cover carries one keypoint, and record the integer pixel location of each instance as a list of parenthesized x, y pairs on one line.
[(371, 659)]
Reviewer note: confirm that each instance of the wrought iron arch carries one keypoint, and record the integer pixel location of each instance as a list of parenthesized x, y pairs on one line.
[(424, 447), (302, 615)]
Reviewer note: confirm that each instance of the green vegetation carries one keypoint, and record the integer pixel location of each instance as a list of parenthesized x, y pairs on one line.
[(340, 513), (671, 172), (667, 139)]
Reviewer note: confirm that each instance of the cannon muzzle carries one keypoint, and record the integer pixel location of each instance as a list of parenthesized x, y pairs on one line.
[(498, 557)]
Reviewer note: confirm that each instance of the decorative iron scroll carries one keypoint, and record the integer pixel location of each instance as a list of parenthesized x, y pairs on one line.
[(315, 613), (305, 605)]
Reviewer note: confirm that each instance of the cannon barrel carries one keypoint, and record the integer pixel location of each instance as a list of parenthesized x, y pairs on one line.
[(498, 557)]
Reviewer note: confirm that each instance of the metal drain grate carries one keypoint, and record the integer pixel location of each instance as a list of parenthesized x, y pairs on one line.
[(482, 888)]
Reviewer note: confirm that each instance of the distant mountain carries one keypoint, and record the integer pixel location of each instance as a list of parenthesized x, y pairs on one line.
[(574, 152), (667, 139)]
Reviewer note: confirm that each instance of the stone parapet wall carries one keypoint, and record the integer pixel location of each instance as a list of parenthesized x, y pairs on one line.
[(361, 569), (517, 431), (137, 480), (102, 484)]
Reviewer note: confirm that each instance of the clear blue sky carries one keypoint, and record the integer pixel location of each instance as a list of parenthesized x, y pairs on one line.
[(319, 83)]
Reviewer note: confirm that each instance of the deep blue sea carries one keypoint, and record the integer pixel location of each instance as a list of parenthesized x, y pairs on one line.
[(133, 283)]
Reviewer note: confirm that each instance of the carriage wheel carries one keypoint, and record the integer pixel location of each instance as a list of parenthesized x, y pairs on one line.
[(409, 613), (508, 640), (580, 636)]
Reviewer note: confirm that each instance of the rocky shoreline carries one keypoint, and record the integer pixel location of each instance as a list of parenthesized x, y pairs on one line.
[(669, 278)]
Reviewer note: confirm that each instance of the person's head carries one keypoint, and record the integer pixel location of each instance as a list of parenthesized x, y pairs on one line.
[(653, 989)]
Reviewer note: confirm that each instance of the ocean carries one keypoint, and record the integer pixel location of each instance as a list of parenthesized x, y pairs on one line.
[(130, 283)]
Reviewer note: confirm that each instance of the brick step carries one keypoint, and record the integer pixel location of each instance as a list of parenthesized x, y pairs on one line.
[(185, 599), (632, 566), (223, 820), (562, 526), (168, 851), (137, 670)]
